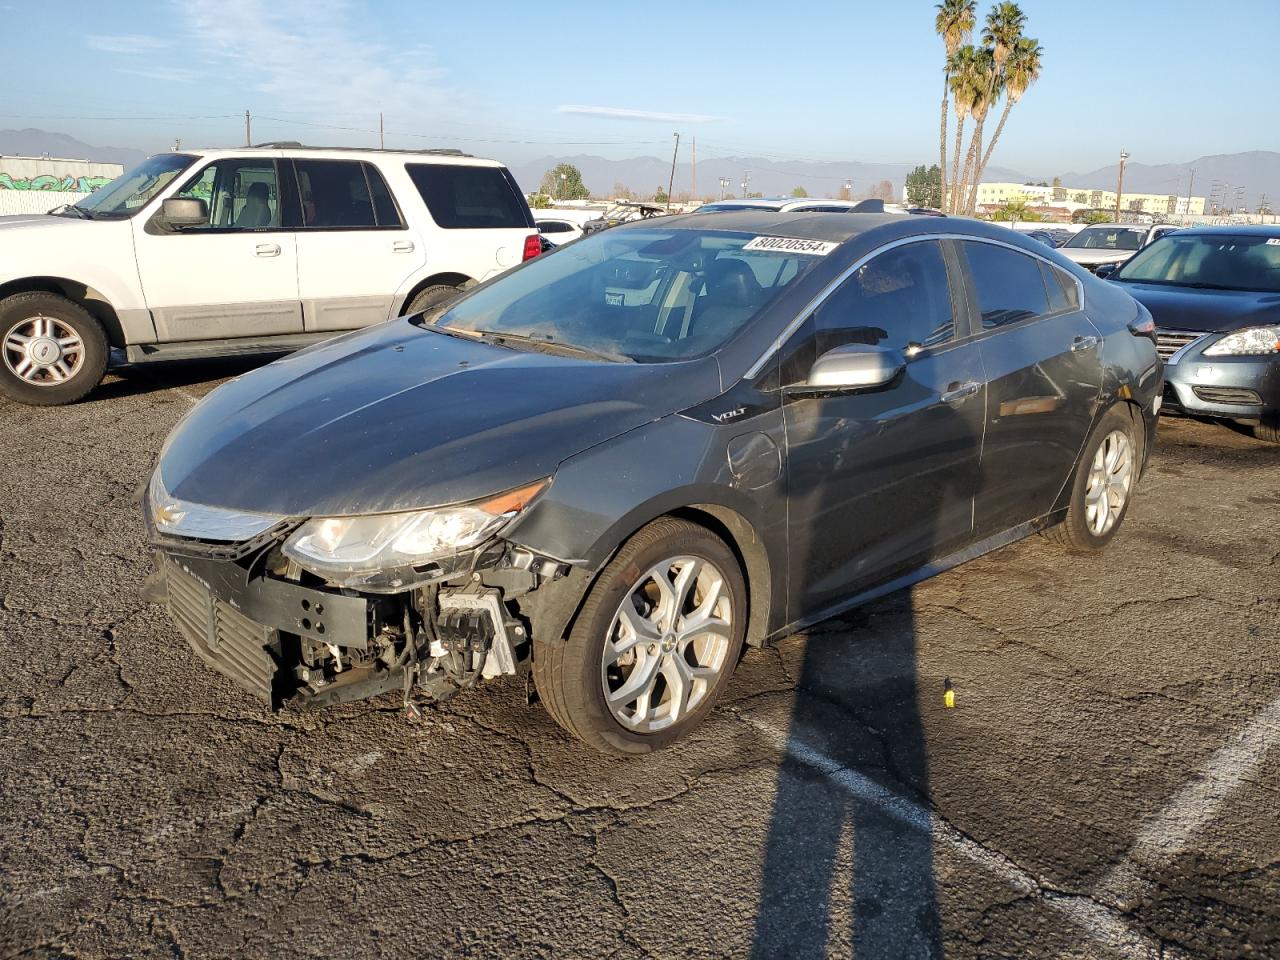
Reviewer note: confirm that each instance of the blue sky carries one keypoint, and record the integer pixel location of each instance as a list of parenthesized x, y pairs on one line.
[(819, 80)]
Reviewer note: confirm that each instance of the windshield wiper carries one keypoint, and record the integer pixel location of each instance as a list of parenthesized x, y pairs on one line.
[(71, 208), (548, 345)]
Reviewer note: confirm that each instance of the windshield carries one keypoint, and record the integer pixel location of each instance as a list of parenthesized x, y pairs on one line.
[(645, 295), (1108, 238), (1223, 262), (127, 194)]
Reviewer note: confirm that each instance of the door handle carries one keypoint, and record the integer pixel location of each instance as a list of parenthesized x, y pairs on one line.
[(267, 250), (959, 391), (402, 246), (1084, 343)]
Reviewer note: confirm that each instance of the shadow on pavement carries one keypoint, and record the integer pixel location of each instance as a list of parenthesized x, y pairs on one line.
[(137, 379)]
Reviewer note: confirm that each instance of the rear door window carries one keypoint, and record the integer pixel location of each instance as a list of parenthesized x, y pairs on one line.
[(470, 198), (335, 194), (1009, 284)]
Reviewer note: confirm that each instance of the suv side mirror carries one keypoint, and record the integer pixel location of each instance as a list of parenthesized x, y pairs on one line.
[(1104, 270), (854, 366), (179, 213)]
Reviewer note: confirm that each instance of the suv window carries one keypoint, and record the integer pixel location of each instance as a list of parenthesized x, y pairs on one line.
[(1009, 285), (334, 194), (241, 194), (900, 297), (461, 197)]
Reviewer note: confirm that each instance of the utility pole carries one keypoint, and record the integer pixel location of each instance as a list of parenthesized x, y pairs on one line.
[(381, 142), (724, 187), (746, 181), (177, 144), (248, 129), (1190, 183), (1120, 183), (671, 183)]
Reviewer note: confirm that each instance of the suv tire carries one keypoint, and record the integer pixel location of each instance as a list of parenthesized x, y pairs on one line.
[(429, 297), (52, 351), (1106, 474), (572, 674)]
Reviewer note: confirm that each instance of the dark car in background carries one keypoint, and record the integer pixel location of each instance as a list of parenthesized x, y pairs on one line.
[(616, 465), (1215, 295)]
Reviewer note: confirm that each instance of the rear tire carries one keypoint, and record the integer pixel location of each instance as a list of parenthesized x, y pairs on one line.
[(52, 352), (1102, 487), (643, 663), (431, 296)]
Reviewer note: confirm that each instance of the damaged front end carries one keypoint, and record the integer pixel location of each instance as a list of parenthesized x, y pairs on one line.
[(252, 600)]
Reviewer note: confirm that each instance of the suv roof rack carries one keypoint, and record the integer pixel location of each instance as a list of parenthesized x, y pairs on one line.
[(295, 145)]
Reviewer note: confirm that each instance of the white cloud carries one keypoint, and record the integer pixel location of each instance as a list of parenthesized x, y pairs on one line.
[(163, 74), (309, 57), (130, 43), (622, 113)]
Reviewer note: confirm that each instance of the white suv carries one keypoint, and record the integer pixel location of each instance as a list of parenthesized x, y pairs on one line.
[(256, 250)]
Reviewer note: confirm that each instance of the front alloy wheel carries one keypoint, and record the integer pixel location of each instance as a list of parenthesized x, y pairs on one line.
[(43, 351), (667, 645), (654, 644)]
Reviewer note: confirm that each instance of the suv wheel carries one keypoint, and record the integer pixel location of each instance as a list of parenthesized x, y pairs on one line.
[(1103, 485), (429, 297), (654, 645), (51, 350)]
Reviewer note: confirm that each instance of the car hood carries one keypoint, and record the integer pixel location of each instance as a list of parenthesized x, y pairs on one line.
[(1086, 255), (399, 417), (35, 221), (1186, 308)]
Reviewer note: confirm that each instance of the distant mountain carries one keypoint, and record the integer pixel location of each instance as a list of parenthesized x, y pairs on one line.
[(1258, 171), (770, 177), (36, 143)]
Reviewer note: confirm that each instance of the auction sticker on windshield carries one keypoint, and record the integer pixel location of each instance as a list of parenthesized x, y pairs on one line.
[(818, 248)]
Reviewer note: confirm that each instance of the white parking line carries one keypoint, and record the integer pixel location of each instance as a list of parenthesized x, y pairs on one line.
[(1169, 833), (1104, 925)]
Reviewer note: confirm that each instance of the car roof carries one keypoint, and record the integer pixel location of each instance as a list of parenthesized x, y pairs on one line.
[(347, 153), (809, 226), (1236, 229)]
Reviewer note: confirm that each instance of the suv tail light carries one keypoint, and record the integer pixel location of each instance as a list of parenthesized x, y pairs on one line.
[(532, 246)]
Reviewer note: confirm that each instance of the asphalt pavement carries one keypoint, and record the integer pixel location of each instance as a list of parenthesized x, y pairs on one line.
[(1107, 784)]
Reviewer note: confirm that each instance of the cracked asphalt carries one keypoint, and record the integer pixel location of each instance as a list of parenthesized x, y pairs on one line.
[(1107, 785)]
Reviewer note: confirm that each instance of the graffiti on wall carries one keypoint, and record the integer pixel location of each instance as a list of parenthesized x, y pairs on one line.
[(48, 181)]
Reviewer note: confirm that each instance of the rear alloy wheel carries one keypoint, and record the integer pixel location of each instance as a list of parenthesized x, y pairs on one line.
[(51, 351), (1103, 485), (654, 644)]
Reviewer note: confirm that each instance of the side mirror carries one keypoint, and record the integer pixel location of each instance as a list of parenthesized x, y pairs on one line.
[(854, 366), (1104, 270), (178, 213)]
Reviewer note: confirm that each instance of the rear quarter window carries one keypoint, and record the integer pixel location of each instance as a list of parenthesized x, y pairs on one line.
[(470, 198)]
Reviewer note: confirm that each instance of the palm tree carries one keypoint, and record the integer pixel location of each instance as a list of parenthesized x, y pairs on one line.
[(1021, 70), (961, 74), (978, 86), (954, 24), (1000, 34)]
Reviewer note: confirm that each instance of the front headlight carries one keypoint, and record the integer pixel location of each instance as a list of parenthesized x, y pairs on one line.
[(1253, 342), (393, 551)]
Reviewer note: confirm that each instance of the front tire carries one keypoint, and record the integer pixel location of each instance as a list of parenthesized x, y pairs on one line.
[(52, 351), (1268, 429), (1102, 487), (654, 644)]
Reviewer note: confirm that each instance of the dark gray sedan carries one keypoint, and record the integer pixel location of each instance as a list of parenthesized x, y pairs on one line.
[(614, 466)]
